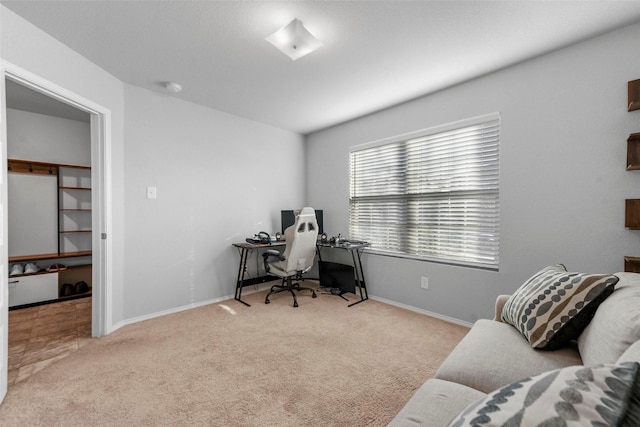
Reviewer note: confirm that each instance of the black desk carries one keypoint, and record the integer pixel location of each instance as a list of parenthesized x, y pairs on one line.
[(245, 249), (355, 248)]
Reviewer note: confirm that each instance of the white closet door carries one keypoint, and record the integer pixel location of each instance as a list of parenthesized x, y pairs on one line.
[(32, 214)]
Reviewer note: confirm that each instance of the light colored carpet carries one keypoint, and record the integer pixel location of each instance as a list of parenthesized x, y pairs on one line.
[(225, 364)]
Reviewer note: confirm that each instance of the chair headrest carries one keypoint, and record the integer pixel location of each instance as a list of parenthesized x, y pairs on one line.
[(307, 211)]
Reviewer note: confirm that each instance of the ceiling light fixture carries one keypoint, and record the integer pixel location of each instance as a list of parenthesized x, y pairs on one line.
[(173, 87), (294, 40)]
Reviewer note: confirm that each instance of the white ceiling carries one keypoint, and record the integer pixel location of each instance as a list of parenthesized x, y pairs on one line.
[(376, 53), (22, 98)]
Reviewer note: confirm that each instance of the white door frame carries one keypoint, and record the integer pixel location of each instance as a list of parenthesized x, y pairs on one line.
[(4, 261), (101, 197)]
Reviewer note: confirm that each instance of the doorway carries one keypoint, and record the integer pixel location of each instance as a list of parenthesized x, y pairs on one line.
[(49, 229), (99, 123)]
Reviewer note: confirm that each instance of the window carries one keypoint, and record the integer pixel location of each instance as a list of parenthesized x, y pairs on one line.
[(431, 195)]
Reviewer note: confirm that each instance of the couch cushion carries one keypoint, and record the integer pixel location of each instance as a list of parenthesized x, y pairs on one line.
[(494, 354), (604, 395), (554, 306), (632, 354), (615, 325), (435, 403)]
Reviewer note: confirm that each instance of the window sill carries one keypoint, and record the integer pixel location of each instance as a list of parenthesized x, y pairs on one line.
[(423, 258)]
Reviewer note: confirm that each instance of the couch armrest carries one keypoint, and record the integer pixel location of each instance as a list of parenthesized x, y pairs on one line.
[(500, 302)]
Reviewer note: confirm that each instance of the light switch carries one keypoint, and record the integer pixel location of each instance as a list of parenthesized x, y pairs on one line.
[(152, 192)]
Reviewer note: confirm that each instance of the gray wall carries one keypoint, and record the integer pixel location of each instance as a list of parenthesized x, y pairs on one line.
[(32, 136), (219, 178), (562, 180)]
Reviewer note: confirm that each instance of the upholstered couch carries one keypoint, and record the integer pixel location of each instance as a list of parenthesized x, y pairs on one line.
[(494, 355)]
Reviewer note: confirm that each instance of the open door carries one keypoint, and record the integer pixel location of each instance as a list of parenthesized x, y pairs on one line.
[(4, 274)]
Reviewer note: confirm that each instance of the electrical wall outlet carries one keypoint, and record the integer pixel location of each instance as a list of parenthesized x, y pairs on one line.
[(424, 283)]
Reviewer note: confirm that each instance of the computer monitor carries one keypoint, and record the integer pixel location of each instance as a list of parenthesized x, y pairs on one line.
[(288, 218)]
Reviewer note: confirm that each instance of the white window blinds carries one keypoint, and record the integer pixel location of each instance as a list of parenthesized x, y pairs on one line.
[(434, 195)]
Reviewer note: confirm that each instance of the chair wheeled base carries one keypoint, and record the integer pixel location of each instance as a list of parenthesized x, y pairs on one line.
[(288, 285)]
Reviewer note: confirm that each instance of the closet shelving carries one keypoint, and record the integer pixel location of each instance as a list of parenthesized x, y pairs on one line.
[(73, 231), (74, 207)]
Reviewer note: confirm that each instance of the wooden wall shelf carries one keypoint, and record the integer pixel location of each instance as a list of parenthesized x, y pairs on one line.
[(24, 166), (633, 152), (11, 162), (632, 264), (632, 214), (632, 206), (633, 88)]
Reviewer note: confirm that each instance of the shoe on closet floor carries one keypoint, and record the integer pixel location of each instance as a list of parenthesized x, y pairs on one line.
[(31, 268), (67, 290), (16, 269), (81, 287), (56, 267)]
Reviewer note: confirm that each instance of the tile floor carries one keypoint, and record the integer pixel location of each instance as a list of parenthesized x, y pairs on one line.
[(38, 336)]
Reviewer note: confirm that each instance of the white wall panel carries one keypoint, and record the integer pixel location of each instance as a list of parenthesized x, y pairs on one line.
[(32, 214)]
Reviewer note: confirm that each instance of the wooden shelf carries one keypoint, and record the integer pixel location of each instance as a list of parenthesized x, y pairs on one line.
[(633, 152), (632, 264), (75, 296), (68, 165), (75, 188), (70, 267), (40, 166), (74, 231), (75, 210), (74, 254), (632, 214), (41, 257), (633, 88), (23, 166)]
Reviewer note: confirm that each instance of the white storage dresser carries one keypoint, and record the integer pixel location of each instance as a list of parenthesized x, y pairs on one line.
[(33, 288)]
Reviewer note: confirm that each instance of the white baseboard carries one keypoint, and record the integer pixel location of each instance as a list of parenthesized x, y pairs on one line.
[(421, 311), (169, 311), (251, 291)]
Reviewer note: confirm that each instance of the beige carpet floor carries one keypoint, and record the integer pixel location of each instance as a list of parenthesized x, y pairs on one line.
[(321, 364)]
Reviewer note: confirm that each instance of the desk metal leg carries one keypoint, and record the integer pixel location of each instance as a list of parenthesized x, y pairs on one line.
[(244, 253), (357, 266)]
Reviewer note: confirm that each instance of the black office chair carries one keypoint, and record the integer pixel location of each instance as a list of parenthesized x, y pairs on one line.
[(297, 257)]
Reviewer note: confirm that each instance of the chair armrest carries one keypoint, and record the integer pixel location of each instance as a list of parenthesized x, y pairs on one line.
[(268, 254), (500, 302), (272, 252)]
